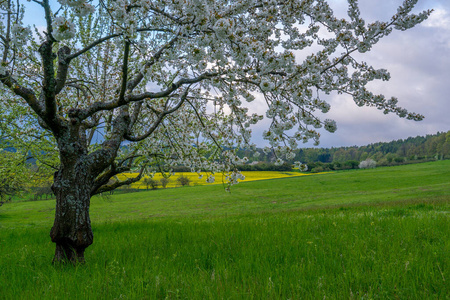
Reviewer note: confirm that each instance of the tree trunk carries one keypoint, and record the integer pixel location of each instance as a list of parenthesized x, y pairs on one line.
[(73, 186), (71, 230)]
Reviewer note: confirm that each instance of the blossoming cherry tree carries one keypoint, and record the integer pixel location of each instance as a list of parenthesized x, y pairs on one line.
[(147, 85)]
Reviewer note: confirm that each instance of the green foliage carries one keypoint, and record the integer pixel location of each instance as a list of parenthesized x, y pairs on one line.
[(152, 183), (13, 174), (317, 169), (417, 182), (20, 131), (376, 234), (409, 150), (41, 192), (399, 159), (263, 166), (183, 180), (367, 164), (164, 182)]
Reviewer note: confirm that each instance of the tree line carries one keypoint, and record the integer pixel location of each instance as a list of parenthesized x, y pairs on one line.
[(410, 150)]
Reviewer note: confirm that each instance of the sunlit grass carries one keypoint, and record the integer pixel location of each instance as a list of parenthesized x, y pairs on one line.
[(389, 252), (367, 234), (421, 182)]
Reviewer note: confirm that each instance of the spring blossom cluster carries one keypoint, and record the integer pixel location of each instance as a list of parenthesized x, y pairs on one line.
[(173, 79)]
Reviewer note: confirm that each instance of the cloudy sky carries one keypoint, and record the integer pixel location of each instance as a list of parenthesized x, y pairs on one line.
[(419, 62)]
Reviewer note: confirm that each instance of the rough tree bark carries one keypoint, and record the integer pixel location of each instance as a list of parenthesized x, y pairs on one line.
[(71, 230), (80, 176)]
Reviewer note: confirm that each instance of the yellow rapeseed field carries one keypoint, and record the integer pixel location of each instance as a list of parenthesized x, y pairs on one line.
[(195, 179)]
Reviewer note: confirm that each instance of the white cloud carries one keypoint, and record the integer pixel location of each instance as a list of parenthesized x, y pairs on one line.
[(440, 18), (419, 62)]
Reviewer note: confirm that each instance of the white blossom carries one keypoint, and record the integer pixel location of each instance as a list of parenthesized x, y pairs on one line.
[(330, 125), (63, 29), (367, 164), (72, 3), (83, 10), (191, 66), (279, 162), (302, 167), (20, 34), (3, 68), (266, 85), (210, 179), (223, 27)]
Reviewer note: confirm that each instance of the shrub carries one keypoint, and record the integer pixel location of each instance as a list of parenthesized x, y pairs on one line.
[(350, 164), (183, 180), (337, 165), (164, 182), (383, 162), (315, 165), (317, 170), (263, 166), (150, 182), (42, 191), (367, 164), (399, 160)]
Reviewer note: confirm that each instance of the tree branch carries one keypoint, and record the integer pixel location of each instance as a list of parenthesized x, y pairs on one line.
[(63, 67), (111, 36), (163, 13), (80, 88), (48, 19), (8, 32), (102, 106), (123, 87), (168, 91), (103, 178), (159, 120), (203, 124), (26, 93), (104, 157), (133, 83), (115, 185), (47, 55), (135, 115)]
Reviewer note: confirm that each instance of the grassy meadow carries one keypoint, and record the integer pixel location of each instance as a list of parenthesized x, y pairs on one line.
[(364, 234)]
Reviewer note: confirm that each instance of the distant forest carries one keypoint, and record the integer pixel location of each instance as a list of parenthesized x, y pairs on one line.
[(403, 151), (410, 150)]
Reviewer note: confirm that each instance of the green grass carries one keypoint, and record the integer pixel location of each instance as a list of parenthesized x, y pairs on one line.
[(375, 234), (419, 182)]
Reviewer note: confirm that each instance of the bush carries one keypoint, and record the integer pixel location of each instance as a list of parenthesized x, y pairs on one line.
[(263, 166), (337, 165), (181, 169), (315, 165), (183, 180), (399, 160), (330, 167), (367, 164), (317, 170), (42, 191), (152, 183), (350, 164), (383, 162), (164, 182)]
